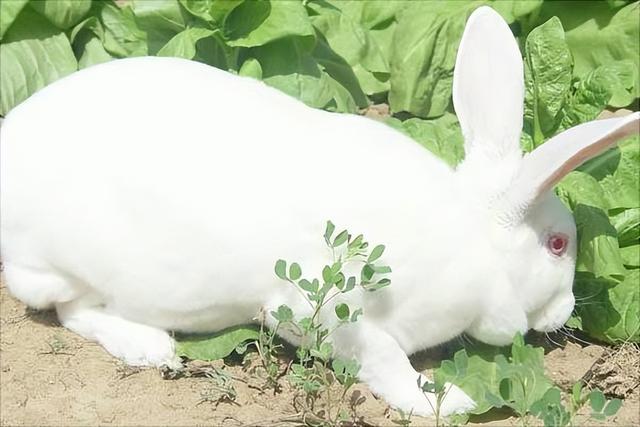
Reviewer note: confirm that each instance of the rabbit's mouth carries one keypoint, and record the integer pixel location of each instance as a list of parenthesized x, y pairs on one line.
[(553, 315)]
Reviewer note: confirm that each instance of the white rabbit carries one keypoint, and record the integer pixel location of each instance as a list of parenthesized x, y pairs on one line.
[(154, 194)]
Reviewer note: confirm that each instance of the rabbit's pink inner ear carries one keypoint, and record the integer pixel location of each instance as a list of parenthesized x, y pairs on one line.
[(548, 164), (588, 152)]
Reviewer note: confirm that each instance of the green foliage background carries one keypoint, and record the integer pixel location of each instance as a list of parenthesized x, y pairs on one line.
[(580, 58)]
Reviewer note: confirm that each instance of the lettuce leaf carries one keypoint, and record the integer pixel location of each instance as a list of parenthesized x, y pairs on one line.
[(33, 54), (622, 187), (62, 13), (183, 44), (547, 78), (215, 346), (115, 27), (441, 136), (608, 309), (161, 20), (343, 31), (599, 34), (91, 51), (425, 45), (256, 23), (213, 11), (288, 65), (9, 11)]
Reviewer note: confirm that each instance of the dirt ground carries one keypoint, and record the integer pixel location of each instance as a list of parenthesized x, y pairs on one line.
[(51, 377)]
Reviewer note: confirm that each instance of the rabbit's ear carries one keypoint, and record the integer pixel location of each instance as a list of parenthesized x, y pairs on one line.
[(546, 165), (488, 86)]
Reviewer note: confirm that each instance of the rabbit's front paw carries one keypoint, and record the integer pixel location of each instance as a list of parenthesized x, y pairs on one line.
[(455, 401)]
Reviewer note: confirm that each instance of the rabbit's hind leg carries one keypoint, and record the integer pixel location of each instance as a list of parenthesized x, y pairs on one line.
[(39, 288), (134, 343)]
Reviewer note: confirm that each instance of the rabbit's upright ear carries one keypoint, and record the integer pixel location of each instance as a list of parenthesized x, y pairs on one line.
[(488, 86), (549, 163)]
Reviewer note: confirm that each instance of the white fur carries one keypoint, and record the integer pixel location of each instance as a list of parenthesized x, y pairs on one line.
[(153, 194)]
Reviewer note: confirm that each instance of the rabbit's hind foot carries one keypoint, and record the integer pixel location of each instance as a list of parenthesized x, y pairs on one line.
[(39, 287), (134, 343)]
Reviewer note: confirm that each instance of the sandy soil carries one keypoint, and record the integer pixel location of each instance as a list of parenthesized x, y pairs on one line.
[(50, 376)]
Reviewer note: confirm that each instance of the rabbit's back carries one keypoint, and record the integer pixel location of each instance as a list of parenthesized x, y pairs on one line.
[(169, 184)]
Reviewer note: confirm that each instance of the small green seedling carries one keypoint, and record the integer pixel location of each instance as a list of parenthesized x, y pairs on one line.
[(601, 407), (315, 374), (405, 418), (553, 412), (269, 349), (219, 388), (57, 345), (439, 390)]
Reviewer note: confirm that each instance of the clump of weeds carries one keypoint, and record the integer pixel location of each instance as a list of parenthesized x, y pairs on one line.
[(404, 418), (553, 411), (219, 388), (270, 350), (57, 346)]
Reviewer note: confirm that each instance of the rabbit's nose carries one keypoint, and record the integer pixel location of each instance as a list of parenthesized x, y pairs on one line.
[(554, 314)]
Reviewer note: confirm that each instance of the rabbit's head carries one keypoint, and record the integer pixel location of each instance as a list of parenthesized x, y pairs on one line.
[(511, 194)]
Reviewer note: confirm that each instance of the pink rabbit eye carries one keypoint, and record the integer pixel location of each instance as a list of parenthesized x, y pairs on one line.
[(557, 244)]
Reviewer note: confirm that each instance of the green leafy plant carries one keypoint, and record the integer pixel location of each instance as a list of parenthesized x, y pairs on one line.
[(218, 389), (601, 407), (57, 345), (552, 411), (331, 54), (440, 390), (404, 418), (522, 379), (215, 346), (516, 380), (604, 194), (314, 372), (269, 349)]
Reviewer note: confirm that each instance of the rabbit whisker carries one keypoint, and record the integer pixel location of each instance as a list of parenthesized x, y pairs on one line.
[(568, 333), (583, 304), (469, 339), (586, 297), (552, 341)]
